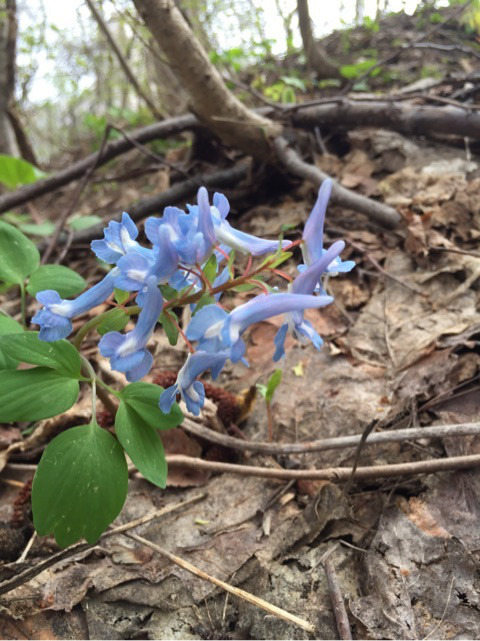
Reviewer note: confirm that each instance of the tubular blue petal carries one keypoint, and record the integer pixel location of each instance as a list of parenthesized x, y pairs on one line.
[(279, 341), (54, 318), (167, 398), (206, 327), (127, 352), (222, 204), (313, 230), (205, 222), (307, 281), (246, 243)]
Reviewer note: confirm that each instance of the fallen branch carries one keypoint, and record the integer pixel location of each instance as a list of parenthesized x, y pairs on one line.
[(335, 443), (338, 604), (413, 120), (169, 127), (333, 474), (175, 194), (238, 592), (28, 575), (378, 212)]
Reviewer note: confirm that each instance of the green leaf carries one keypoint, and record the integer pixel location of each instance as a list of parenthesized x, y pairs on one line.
[(80, 485), (277, 259), (62, 279), (210, 269), (144, 398), (273, 383), (84, 222), (169, 293), (113, 321), (171, 330), (28, 348), (19, 256), (206, 299), (262, 389), (120, 295), (136, 423), (353, 71), (231, 258), (15, 172), (33, 394), (8, 326), (41, 229)]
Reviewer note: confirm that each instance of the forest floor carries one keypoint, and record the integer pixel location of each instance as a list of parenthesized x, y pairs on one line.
[(401, 349)]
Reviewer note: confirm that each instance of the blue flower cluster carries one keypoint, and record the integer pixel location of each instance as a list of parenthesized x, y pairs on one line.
[(181, 244)]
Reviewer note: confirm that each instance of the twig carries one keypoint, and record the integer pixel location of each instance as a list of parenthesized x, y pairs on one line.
[(23, 555), (335, 443), (339, 610), (242, 594), (383, 271), (74, 200), (380, 213), (175, 194), (369, 428), (169, 127), (440, 47), (150, 154), (333, 474), (27, 575)]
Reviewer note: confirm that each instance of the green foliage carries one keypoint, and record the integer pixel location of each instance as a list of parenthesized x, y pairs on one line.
[(113, 321), (8, 325), (15, 172), (136, 423), (350, 72), (169, 327), (33, 394), (26, 347), (80, 485), (268, 390), (38, 229), (371, 25), (62, 279), (19, 256), (210, 269), (120, 296), (77, 223)]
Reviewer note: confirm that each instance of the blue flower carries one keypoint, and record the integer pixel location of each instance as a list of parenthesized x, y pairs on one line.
[(305, 283), (136, 269), (127, 352), (312, 247), (55, 318), (216, 330), (119, 240), (191, 235), (191, 390)]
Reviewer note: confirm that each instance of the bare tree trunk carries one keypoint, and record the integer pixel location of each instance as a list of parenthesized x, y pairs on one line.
[(214, 104), (121, 59), (317, 59), (8, 143)]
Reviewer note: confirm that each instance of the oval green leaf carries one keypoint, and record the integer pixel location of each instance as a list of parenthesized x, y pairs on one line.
[(8, 325), (144, 397), (33, 394), (113, 321), (80, 485), (142, 444), (15, 172), (19, 255), (62, 279), (28, 348)]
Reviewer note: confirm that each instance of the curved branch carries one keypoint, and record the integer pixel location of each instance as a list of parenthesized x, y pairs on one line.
[(378, 212)]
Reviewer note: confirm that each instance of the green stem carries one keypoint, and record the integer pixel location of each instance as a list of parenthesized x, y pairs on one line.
[(92, 380), (107, 387), (23, 305)]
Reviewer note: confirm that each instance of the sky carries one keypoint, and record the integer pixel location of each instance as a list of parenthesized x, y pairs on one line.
[(326, 17)]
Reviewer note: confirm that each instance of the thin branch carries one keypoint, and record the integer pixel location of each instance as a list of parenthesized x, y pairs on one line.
[(169, 127), (238, 592), (339, 609), (335, 443), (333, 474), (74, 201), (28, 575), (378, 212)]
